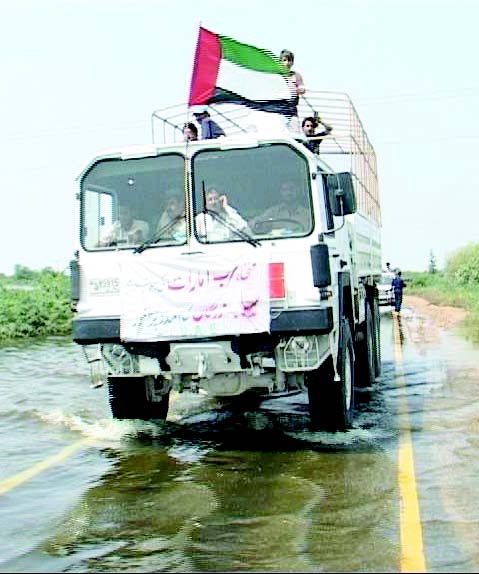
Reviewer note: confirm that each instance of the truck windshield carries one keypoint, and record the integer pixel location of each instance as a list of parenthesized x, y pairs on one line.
[(263, 191), (128, 202)]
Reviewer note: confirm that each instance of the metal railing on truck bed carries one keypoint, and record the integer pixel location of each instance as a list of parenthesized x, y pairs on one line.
[(346, 148)]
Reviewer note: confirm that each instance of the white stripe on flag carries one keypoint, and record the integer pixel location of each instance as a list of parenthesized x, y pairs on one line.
[(251, 84)]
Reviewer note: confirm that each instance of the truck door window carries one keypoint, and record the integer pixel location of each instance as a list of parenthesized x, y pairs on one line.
[(323, 188), (97, 215), (126, 202)]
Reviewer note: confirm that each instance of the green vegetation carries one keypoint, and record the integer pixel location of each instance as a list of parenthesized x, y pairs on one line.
[(37, 303), (457, 285), (34, 304)]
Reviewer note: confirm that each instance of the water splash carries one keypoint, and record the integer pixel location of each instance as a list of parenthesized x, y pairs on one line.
[(110, 430)]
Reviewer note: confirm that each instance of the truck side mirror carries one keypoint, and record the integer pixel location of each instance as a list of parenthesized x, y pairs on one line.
[(341, 193)]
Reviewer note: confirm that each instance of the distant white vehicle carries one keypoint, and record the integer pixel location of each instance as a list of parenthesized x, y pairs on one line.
[(385, 290)]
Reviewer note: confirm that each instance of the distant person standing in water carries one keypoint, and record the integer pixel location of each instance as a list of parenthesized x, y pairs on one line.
[(398, 285)]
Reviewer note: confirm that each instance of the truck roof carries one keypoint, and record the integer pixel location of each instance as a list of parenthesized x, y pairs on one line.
[(239, 139)]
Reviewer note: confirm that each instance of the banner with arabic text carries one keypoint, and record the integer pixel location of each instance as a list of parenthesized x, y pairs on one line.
[(203, 297)]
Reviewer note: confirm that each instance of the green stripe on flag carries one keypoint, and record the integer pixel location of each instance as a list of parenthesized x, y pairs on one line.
[(250, 57)]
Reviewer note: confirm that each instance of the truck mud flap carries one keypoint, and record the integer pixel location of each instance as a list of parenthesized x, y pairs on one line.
[(88, 331), (303, 321)]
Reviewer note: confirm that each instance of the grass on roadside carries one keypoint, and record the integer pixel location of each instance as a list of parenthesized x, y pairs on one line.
[(34, 304), (442, 288)]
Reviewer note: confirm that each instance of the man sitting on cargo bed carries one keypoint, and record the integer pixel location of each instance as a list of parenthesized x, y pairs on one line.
[(190, 132), (289, 213), (209, 128)]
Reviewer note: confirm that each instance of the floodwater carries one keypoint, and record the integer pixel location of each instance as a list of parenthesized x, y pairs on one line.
[(214, 489)]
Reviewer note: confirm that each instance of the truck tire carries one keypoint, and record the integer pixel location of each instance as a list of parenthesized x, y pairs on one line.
[(129, 399), (331, 403), (377, 335), (366, 352)]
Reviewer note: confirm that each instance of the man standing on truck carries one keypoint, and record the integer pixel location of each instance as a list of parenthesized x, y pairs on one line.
[(309, 126), (398, 285), (296, 85), (209, 128)]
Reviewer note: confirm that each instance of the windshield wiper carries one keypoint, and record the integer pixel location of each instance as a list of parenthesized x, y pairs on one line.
[(239, 232), (160, 235)]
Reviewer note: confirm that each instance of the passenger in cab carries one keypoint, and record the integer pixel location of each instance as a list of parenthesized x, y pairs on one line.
[(219, 221), (126, 229), (171, 224)]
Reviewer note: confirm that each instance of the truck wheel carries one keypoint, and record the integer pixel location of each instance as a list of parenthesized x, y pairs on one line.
[(366, 355), (377, 335), (131, 398), (331, 403)]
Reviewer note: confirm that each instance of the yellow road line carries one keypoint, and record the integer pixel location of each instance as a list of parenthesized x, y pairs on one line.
[(412, 550), (21, 477)]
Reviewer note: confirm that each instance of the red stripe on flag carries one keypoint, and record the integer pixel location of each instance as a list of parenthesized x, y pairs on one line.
[(205, 70)]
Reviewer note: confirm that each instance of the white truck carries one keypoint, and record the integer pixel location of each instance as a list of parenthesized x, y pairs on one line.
[(247, 297)]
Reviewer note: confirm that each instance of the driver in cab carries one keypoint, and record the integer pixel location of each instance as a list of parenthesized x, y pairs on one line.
[(289, 211)]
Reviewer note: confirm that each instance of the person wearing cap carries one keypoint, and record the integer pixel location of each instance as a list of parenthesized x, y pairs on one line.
[(209, 128)]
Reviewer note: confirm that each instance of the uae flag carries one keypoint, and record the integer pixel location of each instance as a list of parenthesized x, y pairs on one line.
[(227, 71)]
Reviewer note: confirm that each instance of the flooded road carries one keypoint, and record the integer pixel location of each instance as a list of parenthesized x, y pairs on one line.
[(215, 489)]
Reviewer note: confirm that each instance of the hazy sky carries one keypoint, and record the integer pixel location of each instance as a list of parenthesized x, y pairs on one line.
[(79, 76)]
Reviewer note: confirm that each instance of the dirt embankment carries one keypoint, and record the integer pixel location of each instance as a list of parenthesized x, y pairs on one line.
[(443, 316)]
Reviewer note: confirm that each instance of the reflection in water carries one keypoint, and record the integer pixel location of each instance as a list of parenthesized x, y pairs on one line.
[(400, 328), (234, 510), (211, 489)]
